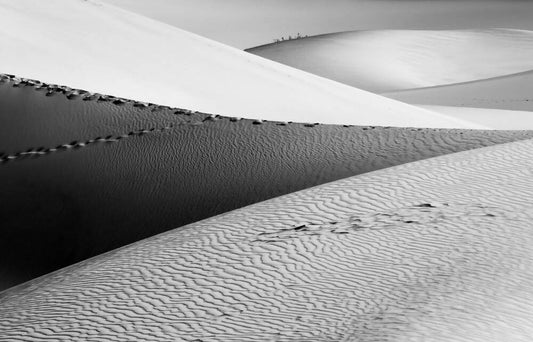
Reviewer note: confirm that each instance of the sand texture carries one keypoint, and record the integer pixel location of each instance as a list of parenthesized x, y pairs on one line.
[(435, 250), (84, 174)]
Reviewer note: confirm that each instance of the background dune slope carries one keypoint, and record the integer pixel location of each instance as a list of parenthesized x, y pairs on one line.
[(436, 250), (391, 60), (493, 118), (98, 47), (507, 92), (231, 21), (83, 174)]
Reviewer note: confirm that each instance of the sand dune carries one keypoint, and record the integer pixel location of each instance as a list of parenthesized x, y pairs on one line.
[(435, 250), (244, 23), (492, 118), (508, 92), (405, 249), (458, 68), (98, 47), (391, 60), (85, 173)]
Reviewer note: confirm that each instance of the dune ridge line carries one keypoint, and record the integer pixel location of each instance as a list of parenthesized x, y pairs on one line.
[(71, 93)]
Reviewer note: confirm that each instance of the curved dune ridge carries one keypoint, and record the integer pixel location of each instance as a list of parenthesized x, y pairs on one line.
[(392, 60), (511, 92), (224, 21), (435, 250), (98, 47), (85, 173)]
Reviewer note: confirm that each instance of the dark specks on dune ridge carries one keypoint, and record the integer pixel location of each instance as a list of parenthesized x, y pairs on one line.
[(425, 214), (72, 94), (41, 151), (116, 171)]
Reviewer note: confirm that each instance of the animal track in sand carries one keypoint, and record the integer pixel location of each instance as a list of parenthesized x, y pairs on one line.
[(420, 215)]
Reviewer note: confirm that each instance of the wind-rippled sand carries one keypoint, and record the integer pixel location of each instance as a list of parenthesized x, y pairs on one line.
[(435, 250), (85, 173)]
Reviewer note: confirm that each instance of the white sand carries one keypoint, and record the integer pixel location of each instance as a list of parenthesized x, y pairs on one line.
[(435, 250), (247, 23), (512, 92), (448, 70), (492, 118), (391, 60), (98, 47)]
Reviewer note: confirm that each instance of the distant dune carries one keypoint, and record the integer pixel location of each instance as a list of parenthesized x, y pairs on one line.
[(85, 173), (492, 118), (435, 250), (101, 48), (392, 60), (480, 76), (244, 23), (512, 92)]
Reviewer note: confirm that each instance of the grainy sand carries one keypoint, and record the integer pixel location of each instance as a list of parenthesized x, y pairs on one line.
[(85, 173), (435, 250)]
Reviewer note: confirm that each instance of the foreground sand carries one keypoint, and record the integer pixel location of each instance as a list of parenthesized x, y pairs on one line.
[(435, 250)]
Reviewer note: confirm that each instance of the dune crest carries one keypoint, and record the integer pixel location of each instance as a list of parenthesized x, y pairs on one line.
[(101, 48), (392, 60)]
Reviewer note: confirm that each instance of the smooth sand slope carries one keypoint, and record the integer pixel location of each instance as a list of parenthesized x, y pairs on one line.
[(492, 118), (436, 250), (98, 47), (512, 92), (392, 60), (244, 23), (82, 174)]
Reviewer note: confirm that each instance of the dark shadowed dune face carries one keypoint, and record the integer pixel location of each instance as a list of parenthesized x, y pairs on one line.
[(83, 174)]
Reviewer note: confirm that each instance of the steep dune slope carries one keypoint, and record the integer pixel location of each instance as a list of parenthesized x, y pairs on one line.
[(98, 47), (436, 250), (507, 92), (82, 173), (391, 60)]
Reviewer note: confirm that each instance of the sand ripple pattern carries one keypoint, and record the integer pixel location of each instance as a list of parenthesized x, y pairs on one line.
[(435, 250), (86, 173)]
